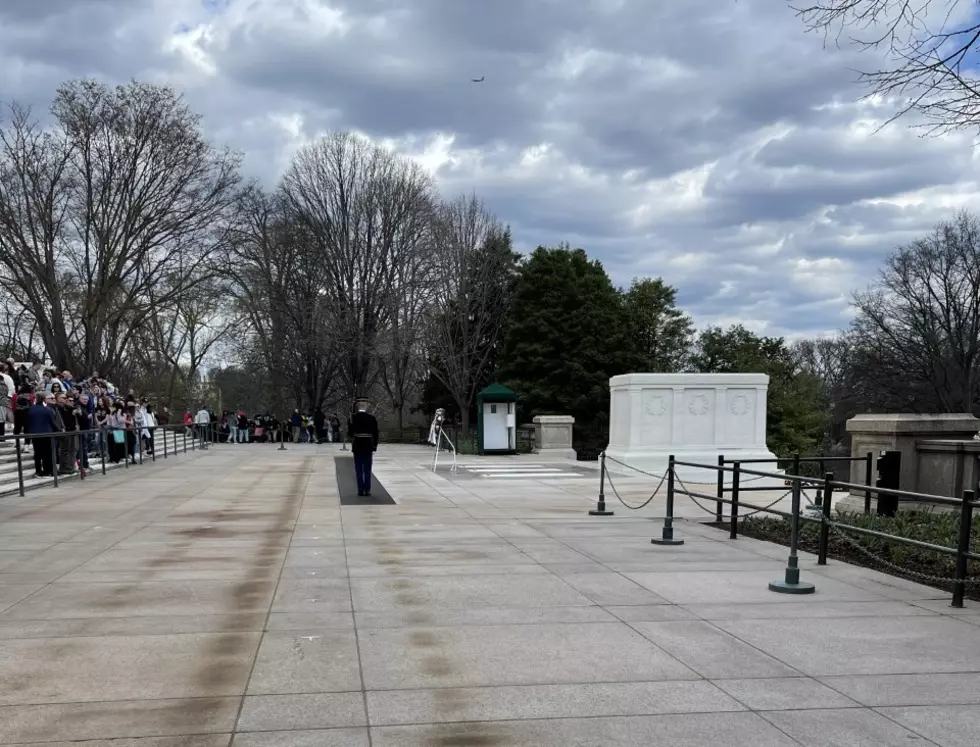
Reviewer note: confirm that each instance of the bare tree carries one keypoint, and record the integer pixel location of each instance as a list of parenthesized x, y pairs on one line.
[(19, 337), (917, 334), (830, 361), (474, 264), (180, 338), (366, 213), (122, 196), (400, 347), (277, 282), (932, 44)]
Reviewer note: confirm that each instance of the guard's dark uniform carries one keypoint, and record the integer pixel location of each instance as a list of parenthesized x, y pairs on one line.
[(364, 442)]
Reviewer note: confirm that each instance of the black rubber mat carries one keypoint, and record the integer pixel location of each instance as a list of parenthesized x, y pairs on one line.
[(347, 485)]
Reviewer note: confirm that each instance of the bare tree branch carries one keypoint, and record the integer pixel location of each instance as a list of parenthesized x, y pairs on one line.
[(932, 44), (473, 262), (123, 197)]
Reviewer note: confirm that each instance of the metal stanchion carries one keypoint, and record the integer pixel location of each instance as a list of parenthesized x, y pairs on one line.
[(20, 467), (791, 583), (869, 472), (667, 537), (720, 490), (736, 478), (962, 548), (105, 447), (600, 509), (125, 433), (828, 493), (282, 437), (54, 458)]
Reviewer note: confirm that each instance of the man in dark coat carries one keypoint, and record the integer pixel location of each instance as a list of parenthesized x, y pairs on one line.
[(40, 419), (364, 442), (318, 420)]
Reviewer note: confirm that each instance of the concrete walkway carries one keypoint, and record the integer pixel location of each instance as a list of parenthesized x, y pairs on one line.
[(228, 594)]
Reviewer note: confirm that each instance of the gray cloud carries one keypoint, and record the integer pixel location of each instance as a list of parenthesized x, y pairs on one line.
[(713, 143)]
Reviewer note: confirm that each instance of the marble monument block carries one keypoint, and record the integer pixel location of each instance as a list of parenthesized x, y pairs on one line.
[(695, 417), (553, 436)]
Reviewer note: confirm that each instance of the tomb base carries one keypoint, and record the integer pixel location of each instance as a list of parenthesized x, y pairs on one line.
[(695, 417)]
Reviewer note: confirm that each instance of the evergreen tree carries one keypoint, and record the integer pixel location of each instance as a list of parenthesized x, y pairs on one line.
[(796, 417), (565, 336), (659, 331)]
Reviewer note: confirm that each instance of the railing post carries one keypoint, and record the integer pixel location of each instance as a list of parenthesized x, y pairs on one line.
[(791, 584), (736, 477), (20, 467), (720, 490), (125, 432), (818, 501), (54, 458), (282, 437), (185, 439), (869, 468), (962, 548), (828, 492), (600, 509), (667, 536), (104, 448)]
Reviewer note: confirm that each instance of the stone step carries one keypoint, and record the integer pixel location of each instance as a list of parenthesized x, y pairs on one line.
[(8, 474)]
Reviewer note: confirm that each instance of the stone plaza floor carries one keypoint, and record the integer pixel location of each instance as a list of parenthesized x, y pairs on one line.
[(225, 598)]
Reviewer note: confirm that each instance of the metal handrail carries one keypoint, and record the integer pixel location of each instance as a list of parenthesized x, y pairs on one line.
[(53, 436), (962, 553)]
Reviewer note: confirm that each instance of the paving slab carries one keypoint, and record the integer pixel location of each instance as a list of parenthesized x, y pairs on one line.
[(301, 712), (910, 689), (694, 730), (711, 652), (303, 738), (511, 655), (948, 726), (890, 645), (446, 705), (232, 600), (853, 727), (309, 661), (124, 667), (784, 694)]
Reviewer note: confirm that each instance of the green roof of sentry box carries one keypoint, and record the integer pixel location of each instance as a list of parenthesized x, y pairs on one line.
[(496, 393)]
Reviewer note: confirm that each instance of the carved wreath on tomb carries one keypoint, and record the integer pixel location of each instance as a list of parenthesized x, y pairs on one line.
[(698, 405), (656, 406), (740, 404)]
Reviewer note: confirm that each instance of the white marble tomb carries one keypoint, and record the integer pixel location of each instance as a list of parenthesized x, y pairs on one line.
[(695, 417)]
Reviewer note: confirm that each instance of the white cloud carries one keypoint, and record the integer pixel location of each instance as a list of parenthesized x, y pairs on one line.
[(713, 143)]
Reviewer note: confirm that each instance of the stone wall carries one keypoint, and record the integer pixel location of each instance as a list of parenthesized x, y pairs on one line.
[(939, 455)]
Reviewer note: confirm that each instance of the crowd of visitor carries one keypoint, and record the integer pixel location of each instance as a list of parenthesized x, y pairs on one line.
[(92, 418), (316, 428)]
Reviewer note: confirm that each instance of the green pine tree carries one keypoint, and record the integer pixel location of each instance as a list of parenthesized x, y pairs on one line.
[(565, 336)]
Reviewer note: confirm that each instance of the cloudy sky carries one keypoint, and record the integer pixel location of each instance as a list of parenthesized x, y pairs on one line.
[(711, 142)]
